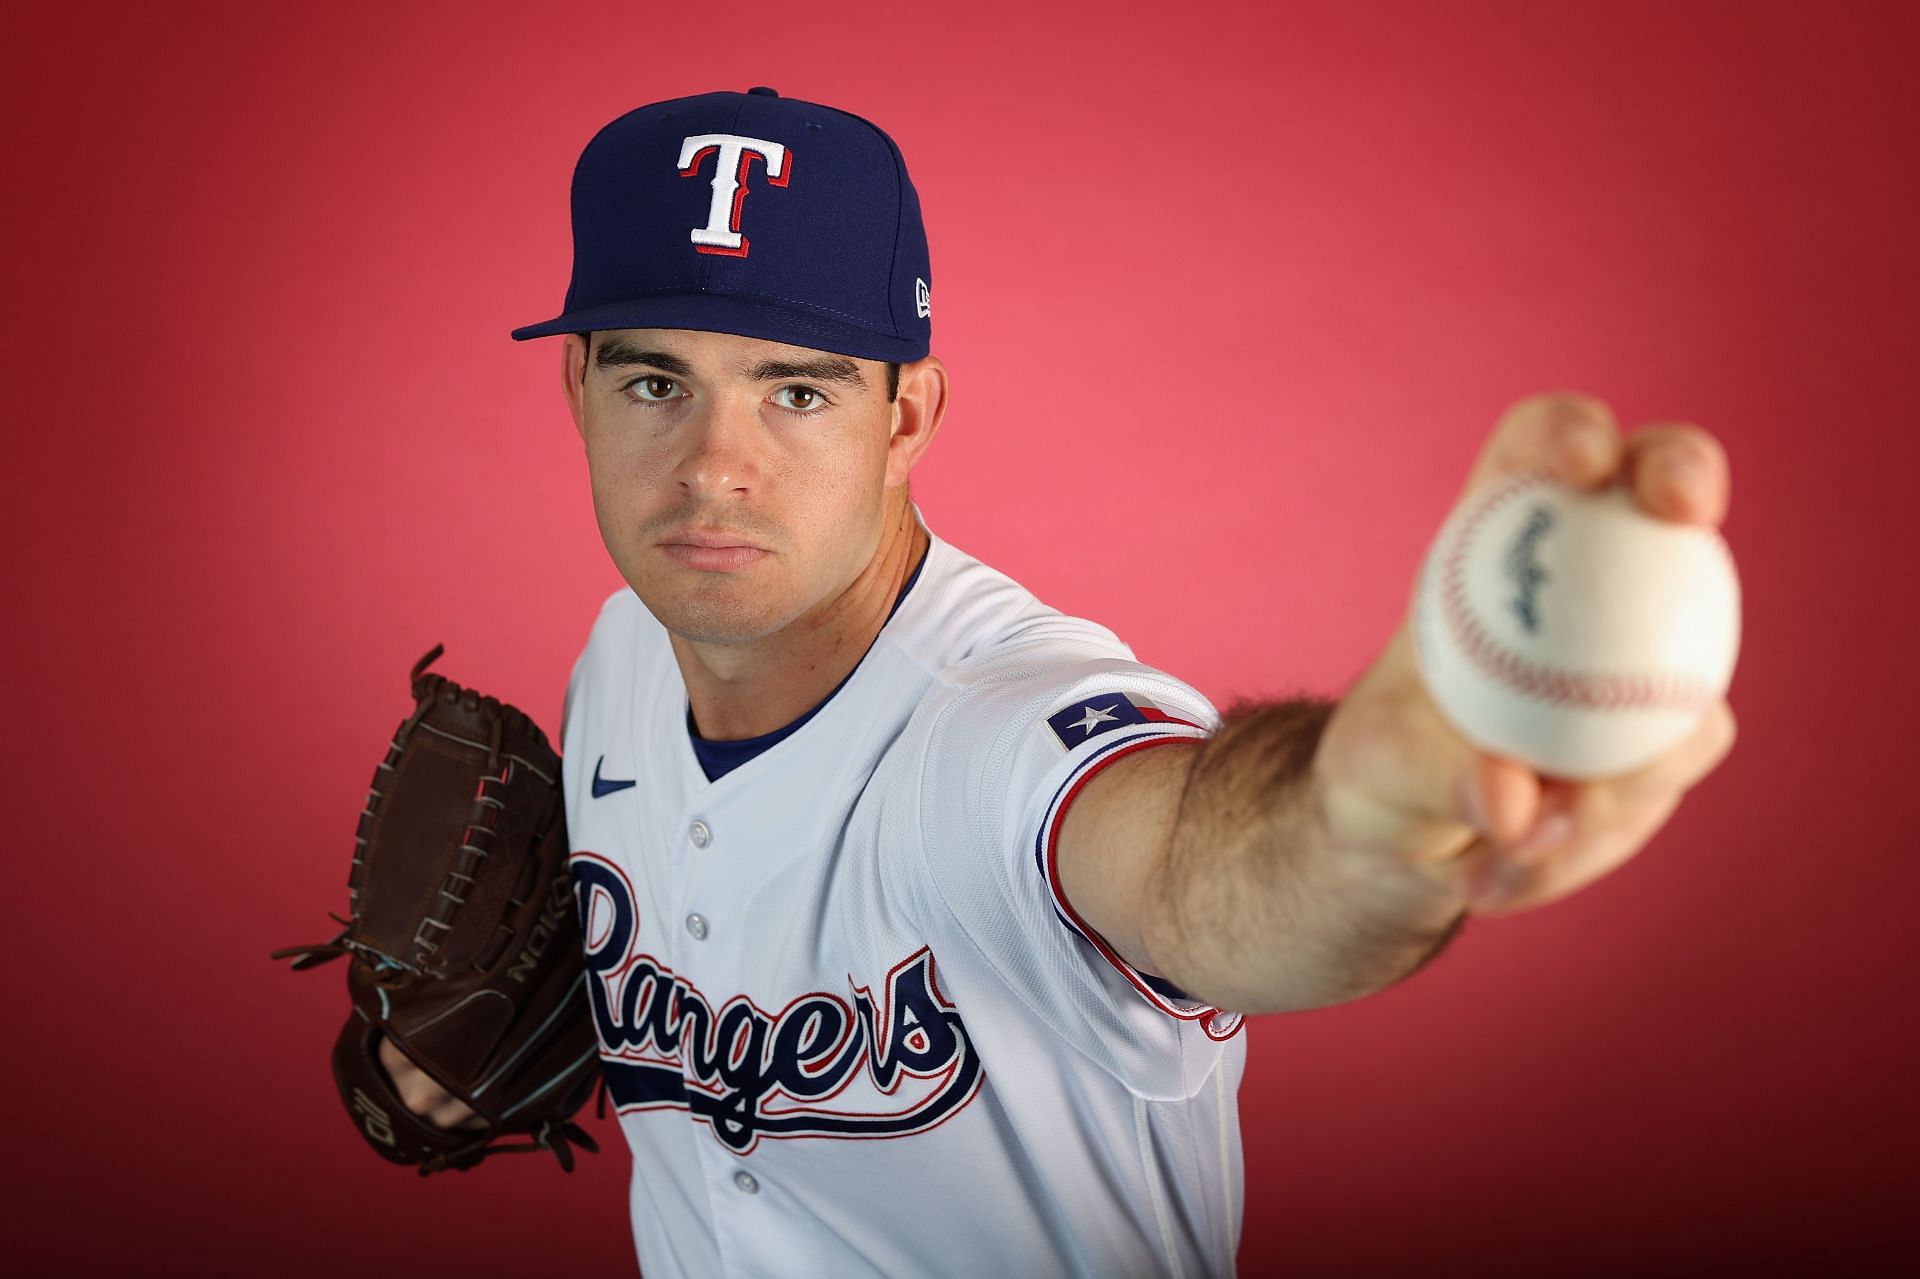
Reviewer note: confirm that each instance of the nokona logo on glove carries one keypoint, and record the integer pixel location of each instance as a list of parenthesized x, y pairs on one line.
[(559, 902)]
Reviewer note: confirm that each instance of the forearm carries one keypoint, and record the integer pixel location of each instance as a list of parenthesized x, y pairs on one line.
[(1253, 908)]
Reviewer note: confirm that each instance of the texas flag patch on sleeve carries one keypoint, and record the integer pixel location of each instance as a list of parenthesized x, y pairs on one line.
[(1089, 717)]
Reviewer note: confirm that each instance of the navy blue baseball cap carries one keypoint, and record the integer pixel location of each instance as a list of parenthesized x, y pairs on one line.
[(753, 214)]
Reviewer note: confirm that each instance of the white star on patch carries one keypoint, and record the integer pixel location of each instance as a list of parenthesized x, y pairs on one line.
[(1093, 716)]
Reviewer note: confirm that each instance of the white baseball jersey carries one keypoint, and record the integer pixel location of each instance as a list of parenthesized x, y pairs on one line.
[(849, 1022)]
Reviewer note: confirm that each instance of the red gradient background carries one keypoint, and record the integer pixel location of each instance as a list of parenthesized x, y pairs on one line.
[(1231, 295)]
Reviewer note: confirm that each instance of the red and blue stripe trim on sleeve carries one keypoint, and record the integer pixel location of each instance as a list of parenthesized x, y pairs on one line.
[(1161, 994)]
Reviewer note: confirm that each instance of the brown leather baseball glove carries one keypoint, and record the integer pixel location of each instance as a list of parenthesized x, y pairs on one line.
[(464, 939)]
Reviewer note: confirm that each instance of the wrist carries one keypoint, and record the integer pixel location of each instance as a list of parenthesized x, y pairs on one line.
[(1391, 886)]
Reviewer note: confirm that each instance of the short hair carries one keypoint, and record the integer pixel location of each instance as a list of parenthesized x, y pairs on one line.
[(893, 369)]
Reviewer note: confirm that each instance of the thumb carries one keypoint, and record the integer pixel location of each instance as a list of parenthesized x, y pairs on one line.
[(1400, 781)]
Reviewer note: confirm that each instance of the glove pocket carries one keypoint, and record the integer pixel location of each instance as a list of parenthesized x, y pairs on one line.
[(425, 839)]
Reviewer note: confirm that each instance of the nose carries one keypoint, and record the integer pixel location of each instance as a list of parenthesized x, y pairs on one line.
[(720, 456)]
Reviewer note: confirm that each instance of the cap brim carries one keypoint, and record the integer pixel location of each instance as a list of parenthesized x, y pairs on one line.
[(747, 317)]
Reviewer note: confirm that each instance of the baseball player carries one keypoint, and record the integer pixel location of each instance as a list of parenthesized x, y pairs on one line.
[(921, 920)]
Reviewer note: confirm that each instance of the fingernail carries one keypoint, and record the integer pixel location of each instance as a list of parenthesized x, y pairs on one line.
[(1581, 439), (1550, 832), (1684, 471)]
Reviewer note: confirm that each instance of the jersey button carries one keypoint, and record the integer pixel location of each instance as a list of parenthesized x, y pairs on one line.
[(746, 1183), (699, 834), (697, 925)]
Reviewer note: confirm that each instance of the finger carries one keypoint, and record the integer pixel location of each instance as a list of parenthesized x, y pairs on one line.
[(1679, 472), (395, 1062), (1503, 886), (1566, 434), (454, 1113), (416, 1088), (421, 1094), (1589, 806), (1606, 824)]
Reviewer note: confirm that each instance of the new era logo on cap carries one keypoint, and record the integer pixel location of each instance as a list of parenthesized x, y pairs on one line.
[(665, 235)]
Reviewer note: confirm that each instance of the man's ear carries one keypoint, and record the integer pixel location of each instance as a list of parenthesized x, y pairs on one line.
[(573, 378), (917, 411)]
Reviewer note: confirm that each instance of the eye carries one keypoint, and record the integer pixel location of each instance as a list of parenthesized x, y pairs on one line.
[(653, 388), (800, 399)]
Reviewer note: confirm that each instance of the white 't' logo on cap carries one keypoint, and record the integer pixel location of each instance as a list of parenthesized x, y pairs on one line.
[(721, 234)]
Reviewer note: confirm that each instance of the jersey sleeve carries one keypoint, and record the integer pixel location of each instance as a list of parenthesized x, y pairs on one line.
[(1006, 756)]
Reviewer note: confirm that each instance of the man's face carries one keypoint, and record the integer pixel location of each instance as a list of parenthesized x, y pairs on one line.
[(740, 485)]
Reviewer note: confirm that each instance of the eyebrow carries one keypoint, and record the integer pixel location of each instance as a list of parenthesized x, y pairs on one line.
[(617, 353), (828, 368)]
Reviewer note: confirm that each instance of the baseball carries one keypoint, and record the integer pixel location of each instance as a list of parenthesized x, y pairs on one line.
[(1572, 631)]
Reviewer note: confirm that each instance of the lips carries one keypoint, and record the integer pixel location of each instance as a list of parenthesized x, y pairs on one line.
[(713, 552)]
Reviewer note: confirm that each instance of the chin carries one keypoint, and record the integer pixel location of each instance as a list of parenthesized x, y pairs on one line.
[(710, 619)]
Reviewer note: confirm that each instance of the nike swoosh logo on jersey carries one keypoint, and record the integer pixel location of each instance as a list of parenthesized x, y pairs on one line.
[(605, 786)]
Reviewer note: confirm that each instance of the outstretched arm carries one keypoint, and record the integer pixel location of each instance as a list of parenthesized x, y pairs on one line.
[(1312, 853)]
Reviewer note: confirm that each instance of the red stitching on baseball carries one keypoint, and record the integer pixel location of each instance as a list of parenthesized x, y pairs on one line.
[(1599, 691)]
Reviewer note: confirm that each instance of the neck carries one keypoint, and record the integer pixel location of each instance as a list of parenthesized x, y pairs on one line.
[(741, 691)]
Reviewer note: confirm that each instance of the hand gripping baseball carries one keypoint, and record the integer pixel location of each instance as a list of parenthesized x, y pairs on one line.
[(1396, 779), (464, 939)]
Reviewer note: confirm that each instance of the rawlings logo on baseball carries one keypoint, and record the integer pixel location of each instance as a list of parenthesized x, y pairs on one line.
[(892, 1065), (1523, 566)]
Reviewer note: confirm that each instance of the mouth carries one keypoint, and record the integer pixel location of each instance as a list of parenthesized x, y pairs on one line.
[(712, 552)]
